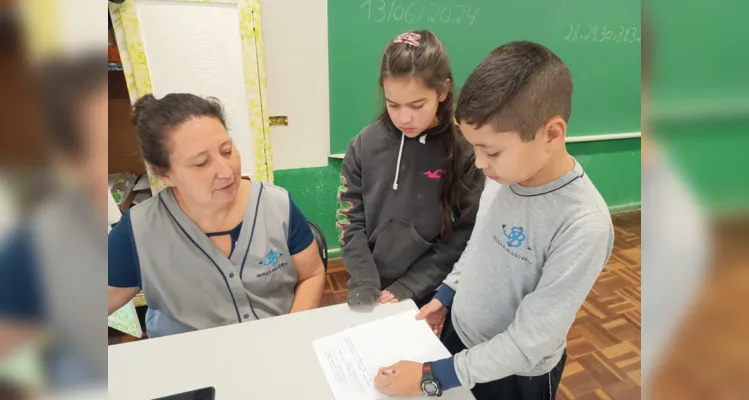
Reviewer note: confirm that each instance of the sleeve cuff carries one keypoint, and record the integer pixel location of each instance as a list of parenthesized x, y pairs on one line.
[(444, 373), (445, 295), (363, 293)]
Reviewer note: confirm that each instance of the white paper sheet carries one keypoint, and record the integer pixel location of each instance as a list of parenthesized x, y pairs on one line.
[(351, 358)]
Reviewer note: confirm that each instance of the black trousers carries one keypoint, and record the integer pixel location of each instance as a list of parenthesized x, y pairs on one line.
[(514, 387)]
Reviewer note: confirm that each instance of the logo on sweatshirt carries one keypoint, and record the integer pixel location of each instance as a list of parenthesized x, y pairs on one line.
[(515, 237), (436, 175)]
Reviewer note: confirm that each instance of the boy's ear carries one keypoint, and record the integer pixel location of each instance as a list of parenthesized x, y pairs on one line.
[(445, 91), (556, 129)]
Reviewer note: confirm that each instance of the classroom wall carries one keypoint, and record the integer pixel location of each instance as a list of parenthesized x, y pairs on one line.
[(204, 41), (300, 151)]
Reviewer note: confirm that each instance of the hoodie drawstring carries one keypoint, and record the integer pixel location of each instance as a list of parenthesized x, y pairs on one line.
[(398, 166)]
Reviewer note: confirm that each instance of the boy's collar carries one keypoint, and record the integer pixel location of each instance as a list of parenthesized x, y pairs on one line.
[(570, 176)]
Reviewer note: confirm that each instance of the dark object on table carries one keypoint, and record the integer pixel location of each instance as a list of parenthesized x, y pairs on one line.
[(207, 393)]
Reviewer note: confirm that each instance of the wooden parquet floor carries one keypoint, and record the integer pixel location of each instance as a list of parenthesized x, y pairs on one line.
[(708, 357), (604, 342)]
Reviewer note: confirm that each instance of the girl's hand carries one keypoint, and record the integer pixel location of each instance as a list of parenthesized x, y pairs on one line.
[(386, 297)]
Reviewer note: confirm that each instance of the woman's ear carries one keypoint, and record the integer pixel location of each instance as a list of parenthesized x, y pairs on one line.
[(445, 90), (164, 177)]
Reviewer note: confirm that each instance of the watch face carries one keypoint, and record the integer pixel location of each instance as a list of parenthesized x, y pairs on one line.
[(430, 388)]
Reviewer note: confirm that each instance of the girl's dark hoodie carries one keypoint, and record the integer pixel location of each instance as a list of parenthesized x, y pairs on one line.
[(389, 211)]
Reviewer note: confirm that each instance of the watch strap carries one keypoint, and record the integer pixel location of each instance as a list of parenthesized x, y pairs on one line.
[(427, 378)]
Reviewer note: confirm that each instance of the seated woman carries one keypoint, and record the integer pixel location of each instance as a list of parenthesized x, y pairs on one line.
[(213, 249)]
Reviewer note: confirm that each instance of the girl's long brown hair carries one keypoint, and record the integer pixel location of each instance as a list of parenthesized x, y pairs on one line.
[(429, 62)]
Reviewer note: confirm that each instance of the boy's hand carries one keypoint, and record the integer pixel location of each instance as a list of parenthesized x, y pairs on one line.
[(434, 312), (387, 297), (400, 379)]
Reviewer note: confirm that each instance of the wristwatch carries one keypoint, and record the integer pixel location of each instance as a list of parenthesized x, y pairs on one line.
[(429, 385)]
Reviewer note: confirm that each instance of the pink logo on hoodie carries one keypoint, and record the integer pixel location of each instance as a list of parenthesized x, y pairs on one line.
[(436, 175)]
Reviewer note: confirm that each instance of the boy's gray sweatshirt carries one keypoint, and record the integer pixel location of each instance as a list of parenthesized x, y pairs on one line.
[(534, 255)]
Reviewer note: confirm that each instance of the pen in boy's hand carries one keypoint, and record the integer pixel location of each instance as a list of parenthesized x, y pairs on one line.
[(388, 372)]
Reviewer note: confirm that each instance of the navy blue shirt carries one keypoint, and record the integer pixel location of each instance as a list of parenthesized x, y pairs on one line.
[(124, 267), (22, 300)]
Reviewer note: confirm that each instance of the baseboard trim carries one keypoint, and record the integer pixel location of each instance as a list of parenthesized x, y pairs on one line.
[(334, 253), (625, 207), (729, 212)]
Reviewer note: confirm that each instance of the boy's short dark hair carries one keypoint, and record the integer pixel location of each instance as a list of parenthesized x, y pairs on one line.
[(517, 87)]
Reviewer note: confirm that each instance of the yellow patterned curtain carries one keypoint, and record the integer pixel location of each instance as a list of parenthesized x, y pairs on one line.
[(254, 64)]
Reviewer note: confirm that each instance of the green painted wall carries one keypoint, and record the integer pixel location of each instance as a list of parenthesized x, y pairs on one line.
[(614, 167), (711, 155), (697, 107)]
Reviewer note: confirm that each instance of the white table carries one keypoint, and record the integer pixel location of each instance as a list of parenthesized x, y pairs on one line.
[(268, 359)]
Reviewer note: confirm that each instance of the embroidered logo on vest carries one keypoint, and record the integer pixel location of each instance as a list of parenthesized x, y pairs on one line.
[(271, 259)]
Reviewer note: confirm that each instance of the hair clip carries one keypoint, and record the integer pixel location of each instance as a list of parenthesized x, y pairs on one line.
[(408, 38)]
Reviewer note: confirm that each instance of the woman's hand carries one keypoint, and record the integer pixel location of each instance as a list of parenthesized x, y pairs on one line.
[(387, 297)]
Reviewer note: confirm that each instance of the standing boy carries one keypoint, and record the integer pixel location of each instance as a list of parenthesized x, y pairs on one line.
[(542, 236)]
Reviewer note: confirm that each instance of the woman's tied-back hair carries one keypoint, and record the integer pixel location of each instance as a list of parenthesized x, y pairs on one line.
[(154, 119), (420, 54), (517, 87)]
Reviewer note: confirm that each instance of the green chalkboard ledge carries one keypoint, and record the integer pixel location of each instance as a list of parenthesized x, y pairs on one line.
[(570, 139)]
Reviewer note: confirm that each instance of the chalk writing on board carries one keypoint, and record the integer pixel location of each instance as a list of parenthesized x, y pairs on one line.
[(602, 33), (419, 11)]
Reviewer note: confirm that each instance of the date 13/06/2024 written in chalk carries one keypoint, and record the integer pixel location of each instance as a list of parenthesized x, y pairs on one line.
[(419, 11)]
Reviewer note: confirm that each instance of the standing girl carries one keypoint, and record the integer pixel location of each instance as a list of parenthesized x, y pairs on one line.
[(409, 188)]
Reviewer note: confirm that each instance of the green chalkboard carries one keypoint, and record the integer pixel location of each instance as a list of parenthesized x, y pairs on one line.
[(598, 39), (698, 95)]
